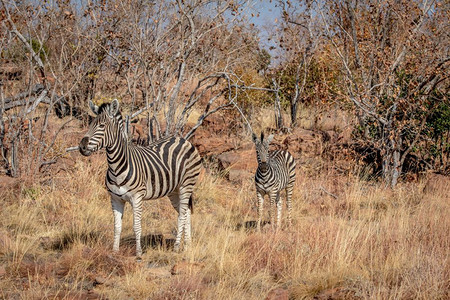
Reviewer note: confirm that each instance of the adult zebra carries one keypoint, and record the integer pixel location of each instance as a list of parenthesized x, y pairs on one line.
[(169, 167), (276, 171)]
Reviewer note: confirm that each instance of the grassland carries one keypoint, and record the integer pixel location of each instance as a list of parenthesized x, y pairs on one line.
[(368, 243), (351, 238)]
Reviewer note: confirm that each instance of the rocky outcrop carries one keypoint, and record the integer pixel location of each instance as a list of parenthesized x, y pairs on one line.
[(236, 158), (238, 164)]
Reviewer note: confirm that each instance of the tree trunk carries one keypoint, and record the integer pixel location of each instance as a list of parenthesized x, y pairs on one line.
[(170, 117), (278, 116), (392, 164), (14, 158), (294, 109), (2, 136)]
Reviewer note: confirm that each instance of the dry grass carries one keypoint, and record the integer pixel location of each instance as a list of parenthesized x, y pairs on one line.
[(364, 242), (368, 243)]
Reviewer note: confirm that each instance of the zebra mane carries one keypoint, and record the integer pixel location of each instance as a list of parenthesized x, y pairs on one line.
[(104, 107)]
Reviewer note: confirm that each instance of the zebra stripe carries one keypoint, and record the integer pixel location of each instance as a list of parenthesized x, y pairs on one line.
[(168, 167), (276, 171)]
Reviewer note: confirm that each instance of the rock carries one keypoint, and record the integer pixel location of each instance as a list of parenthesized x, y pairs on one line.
[(93, 295), (99, 280), (240, 165), (61, 271), (210, 140), (208, 146), (46, 242), (227, 159), (278, 294), (308, 142), (238, 160)]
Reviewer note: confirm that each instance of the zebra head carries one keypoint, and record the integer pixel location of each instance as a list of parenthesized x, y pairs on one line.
[(104, 129), (262, 150)]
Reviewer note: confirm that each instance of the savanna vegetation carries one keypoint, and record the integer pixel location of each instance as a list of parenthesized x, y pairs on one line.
[(356, 90)]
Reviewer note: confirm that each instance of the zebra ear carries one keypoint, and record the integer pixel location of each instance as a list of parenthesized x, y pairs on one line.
[(269, 138), (93, 107), (114, 107), (262, 136)]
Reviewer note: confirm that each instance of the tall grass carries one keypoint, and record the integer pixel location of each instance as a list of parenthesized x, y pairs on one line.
[(366, 242)]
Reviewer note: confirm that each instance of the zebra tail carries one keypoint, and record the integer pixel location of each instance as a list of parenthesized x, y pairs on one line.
[(191, 204)]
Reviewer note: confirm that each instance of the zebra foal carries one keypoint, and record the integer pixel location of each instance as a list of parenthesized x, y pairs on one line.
[(275, 172), (169, 167)]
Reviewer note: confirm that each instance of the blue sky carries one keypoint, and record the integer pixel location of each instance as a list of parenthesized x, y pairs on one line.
[(269, 15)]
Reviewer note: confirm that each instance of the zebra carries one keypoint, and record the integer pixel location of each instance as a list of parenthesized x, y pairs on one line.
[(168, 167), (275, 172)]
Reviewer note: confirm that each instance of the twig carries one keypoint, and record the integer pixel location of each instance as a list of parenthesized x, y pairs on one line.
[(48, 162), (243, 87), (327, 192)]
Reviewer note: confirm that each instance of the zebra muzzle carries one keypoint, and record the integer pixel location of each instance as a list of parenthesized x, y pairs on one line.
[(263, 167), (84, 150)]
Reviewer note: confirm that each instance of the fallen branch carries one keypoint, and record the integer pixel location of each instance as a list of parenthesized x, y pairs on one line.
[(36, 89), (24, 102)]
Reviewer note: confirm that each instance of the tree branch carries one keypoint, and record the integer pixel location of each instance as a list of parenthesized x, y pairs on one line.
[(14, 30)]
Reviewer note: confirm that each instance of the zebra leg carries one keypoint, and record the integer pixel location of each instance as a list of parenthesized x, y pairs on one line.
[(279, 203), (289, 190), (187, 229), (273, 200), (260, 209), (137, 228), (180, 201), (118, 206)]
